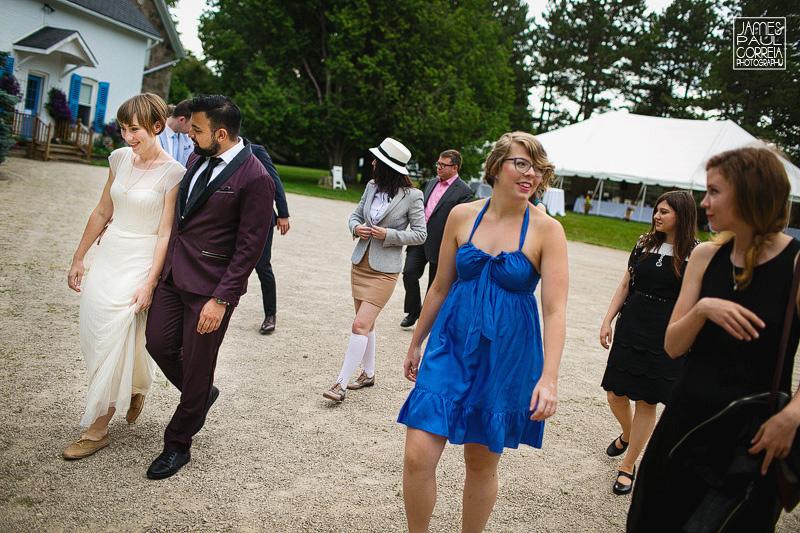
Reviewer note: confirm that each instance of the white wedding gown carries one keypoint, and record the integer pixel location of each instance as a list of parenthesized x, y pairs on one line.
[(112, 335)]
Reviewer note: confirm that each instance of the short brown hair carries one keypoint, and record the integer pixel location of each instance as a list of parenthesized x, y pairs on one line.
[(148, 108), (503, 147), (453, 155), (182, 110)]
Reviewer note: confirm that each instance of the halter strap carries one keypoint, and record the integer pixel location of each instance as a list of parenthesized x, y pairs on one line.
[(478, 220), (524, 227), (524, 224)]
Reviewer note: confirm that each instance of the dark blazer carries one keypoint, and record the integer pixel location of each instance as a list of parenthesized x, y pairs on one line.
[(216, 242), (457, 193), (281, 207)]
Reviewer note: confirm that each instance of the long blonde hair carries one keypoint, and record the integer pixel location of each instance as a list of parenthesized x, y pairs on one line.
[(761, 199)]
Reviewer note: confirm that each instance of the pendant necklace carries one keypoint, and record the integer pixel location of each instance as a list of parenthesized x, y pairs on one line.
[(661, 256), (733, 271), (125, 188)]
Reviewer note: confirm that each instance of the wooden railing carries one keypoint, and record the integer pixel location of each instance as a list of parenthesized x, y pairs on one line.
[(83, 139), (33, 128), (41, 135)]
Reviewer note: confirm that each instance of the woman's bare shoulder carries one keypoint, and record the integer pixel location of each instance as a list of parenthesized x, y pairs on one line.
[(540, 221), (705, 250)]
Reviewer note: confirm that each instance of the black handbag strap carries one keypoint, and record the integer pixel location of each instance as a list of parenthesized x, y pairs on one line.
[(787, 325)]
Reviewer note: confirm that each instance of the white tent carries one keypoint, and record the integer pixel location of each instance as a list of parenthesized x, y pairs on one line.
[(669, 152)]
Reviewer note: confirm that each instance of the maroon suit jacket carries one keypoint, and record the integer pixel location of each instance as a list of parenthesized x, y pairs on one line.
[(217, 241)]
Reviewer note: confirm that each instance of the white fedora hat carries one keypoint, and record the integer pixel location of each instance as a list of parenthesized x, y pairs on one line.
[(393, 153)]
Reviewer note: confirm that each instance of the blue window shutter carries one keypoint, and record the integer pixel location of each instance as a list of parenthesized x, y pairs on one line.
[(8, 68), (100, 107), (74, 95)]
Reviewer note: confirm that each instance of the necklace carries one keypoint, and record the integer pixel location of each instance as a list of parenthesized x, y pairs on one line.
[(125, 188), (661, 255), (733, 271)]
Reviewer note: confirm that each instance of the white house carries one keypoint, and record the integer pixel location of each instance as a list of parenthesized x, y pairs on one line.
[(96, 51)]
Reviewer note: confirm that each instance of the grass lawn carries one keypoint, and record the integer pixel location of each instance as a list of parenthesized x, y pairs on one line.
[(300, 180)]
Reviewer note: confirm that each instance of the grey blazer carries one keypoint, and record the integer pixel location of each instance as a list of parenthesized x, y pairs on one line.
[(405, 208)]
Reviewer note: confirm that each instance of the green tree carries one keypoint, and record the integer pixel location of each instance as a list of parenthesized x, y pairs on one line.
[(7, 103), (585, 49), (764, 102), (331, 78), (674, 59), (191, 77)]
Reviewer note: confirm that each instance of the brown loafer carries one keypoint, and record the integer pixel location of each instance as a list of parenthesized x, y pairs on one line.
[(268, 326), (84, 447), (335, 393), (361, 382), (137, 402)]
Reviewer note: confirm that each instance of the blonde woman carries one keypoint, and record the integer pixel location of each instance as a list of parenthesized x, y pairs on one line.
[(486, 380)]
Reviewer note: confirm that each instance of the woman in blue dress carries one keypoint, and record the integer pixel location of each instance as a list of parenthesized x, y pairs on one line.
[(486, 381)]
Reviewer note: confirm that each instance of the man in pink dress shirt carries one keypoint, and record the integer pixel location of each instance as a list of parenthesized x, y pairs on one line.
[(441, 195)]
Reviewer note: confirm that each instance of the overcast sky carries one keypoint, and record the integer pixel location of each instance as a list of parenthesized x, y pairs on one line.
[(188, 15)]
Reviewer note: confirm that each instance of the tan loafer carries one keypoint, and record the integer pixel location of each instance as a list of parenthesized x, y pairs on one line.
[(84, 448), (361, 382), (336, 393), (137, 402)]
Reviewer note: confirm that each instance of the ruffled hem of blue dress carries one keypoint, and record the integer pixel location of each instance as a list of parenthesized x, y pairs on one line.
[(430, 412)]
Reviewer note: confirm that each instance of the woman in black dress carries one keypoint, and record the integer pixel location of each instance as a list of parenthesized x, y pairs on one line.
[(638, 368), (729, 317)]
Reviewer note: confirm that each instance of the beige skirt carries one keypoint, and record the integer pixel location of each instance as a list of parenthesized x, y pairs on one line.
[(370, 285)]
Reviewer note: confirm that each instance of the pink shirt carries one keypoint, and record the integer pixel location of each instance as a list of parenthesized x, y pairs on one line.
[(436, 195)]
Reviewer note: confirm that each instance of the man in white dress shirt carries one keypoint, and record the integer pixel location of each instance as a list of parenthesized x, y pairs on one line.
[(174, 138)]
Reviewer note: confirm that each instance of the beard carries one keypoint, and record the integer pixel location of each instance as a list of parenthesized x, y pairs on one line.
[(208, 151)]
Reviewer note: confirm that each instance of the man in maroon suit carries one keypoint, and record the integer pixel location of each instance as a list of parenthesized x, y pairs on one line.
[(221, 223)]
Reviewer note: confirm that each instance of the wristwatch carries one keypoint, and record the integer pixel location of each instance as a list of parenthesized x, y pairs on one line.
[(221, 302)]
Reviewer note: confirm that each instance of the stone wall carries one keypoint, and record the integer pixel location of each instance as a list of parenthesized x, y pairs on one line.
[(157, 82)]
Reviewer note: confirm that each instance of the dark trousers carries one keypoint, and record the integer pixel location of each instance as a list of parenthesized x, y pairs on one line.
[(412, 272), (267, 278), (186, 357)]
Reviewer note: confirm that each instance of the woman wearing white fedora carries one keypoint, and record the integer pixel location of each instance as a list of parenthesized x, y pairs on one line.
[(390, 204)]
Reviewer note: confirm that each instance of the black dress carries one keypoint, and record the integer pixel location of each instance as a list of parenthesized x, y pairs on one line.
[(719, 370), (638, 367)]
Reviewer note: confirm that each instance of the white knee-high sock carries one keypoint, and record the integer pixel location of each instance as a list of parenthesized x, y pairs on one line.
[(355, 352), (369, 355)]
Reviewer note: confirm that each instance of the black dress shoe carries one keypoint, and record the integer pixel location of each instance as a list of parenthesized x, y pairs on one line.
[(612, 449), (268, 326), (211, 399), (408, 321), (621, 489), (167, 464)]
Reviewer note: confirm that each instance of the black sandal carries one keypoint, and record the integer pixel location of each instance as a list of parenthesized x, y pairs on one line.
[(612, 449), (621, 489)]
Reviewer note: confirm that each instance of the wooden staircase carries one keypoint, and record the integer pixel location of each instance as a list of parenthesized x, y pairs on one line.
[(41, 143), (60, 152)]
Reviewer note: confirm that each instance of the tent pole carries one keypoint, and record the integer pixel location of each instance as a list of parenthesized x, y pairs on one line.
[(641, 206), (600, 198)]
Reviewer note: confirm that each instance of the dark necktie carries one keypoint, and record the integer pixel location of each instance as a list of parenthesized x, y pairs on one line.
[(202, 181)]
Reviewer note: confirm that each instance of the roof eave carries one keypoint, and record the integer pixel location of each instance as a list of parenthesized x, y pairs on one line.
[(115, 22), (169, 26)]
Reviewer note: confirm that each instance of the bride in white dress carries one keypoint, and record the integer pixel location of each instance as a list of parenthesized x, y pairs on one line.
[(140, 195)]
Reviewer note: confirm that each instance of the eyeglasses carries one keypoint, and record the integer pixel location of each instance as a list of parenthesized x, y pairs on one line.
[(523, 165), (439, 164)]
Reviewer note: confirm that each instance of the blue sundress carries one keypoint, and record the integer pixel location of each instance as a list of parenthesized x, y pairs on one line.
[(484, 355)]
